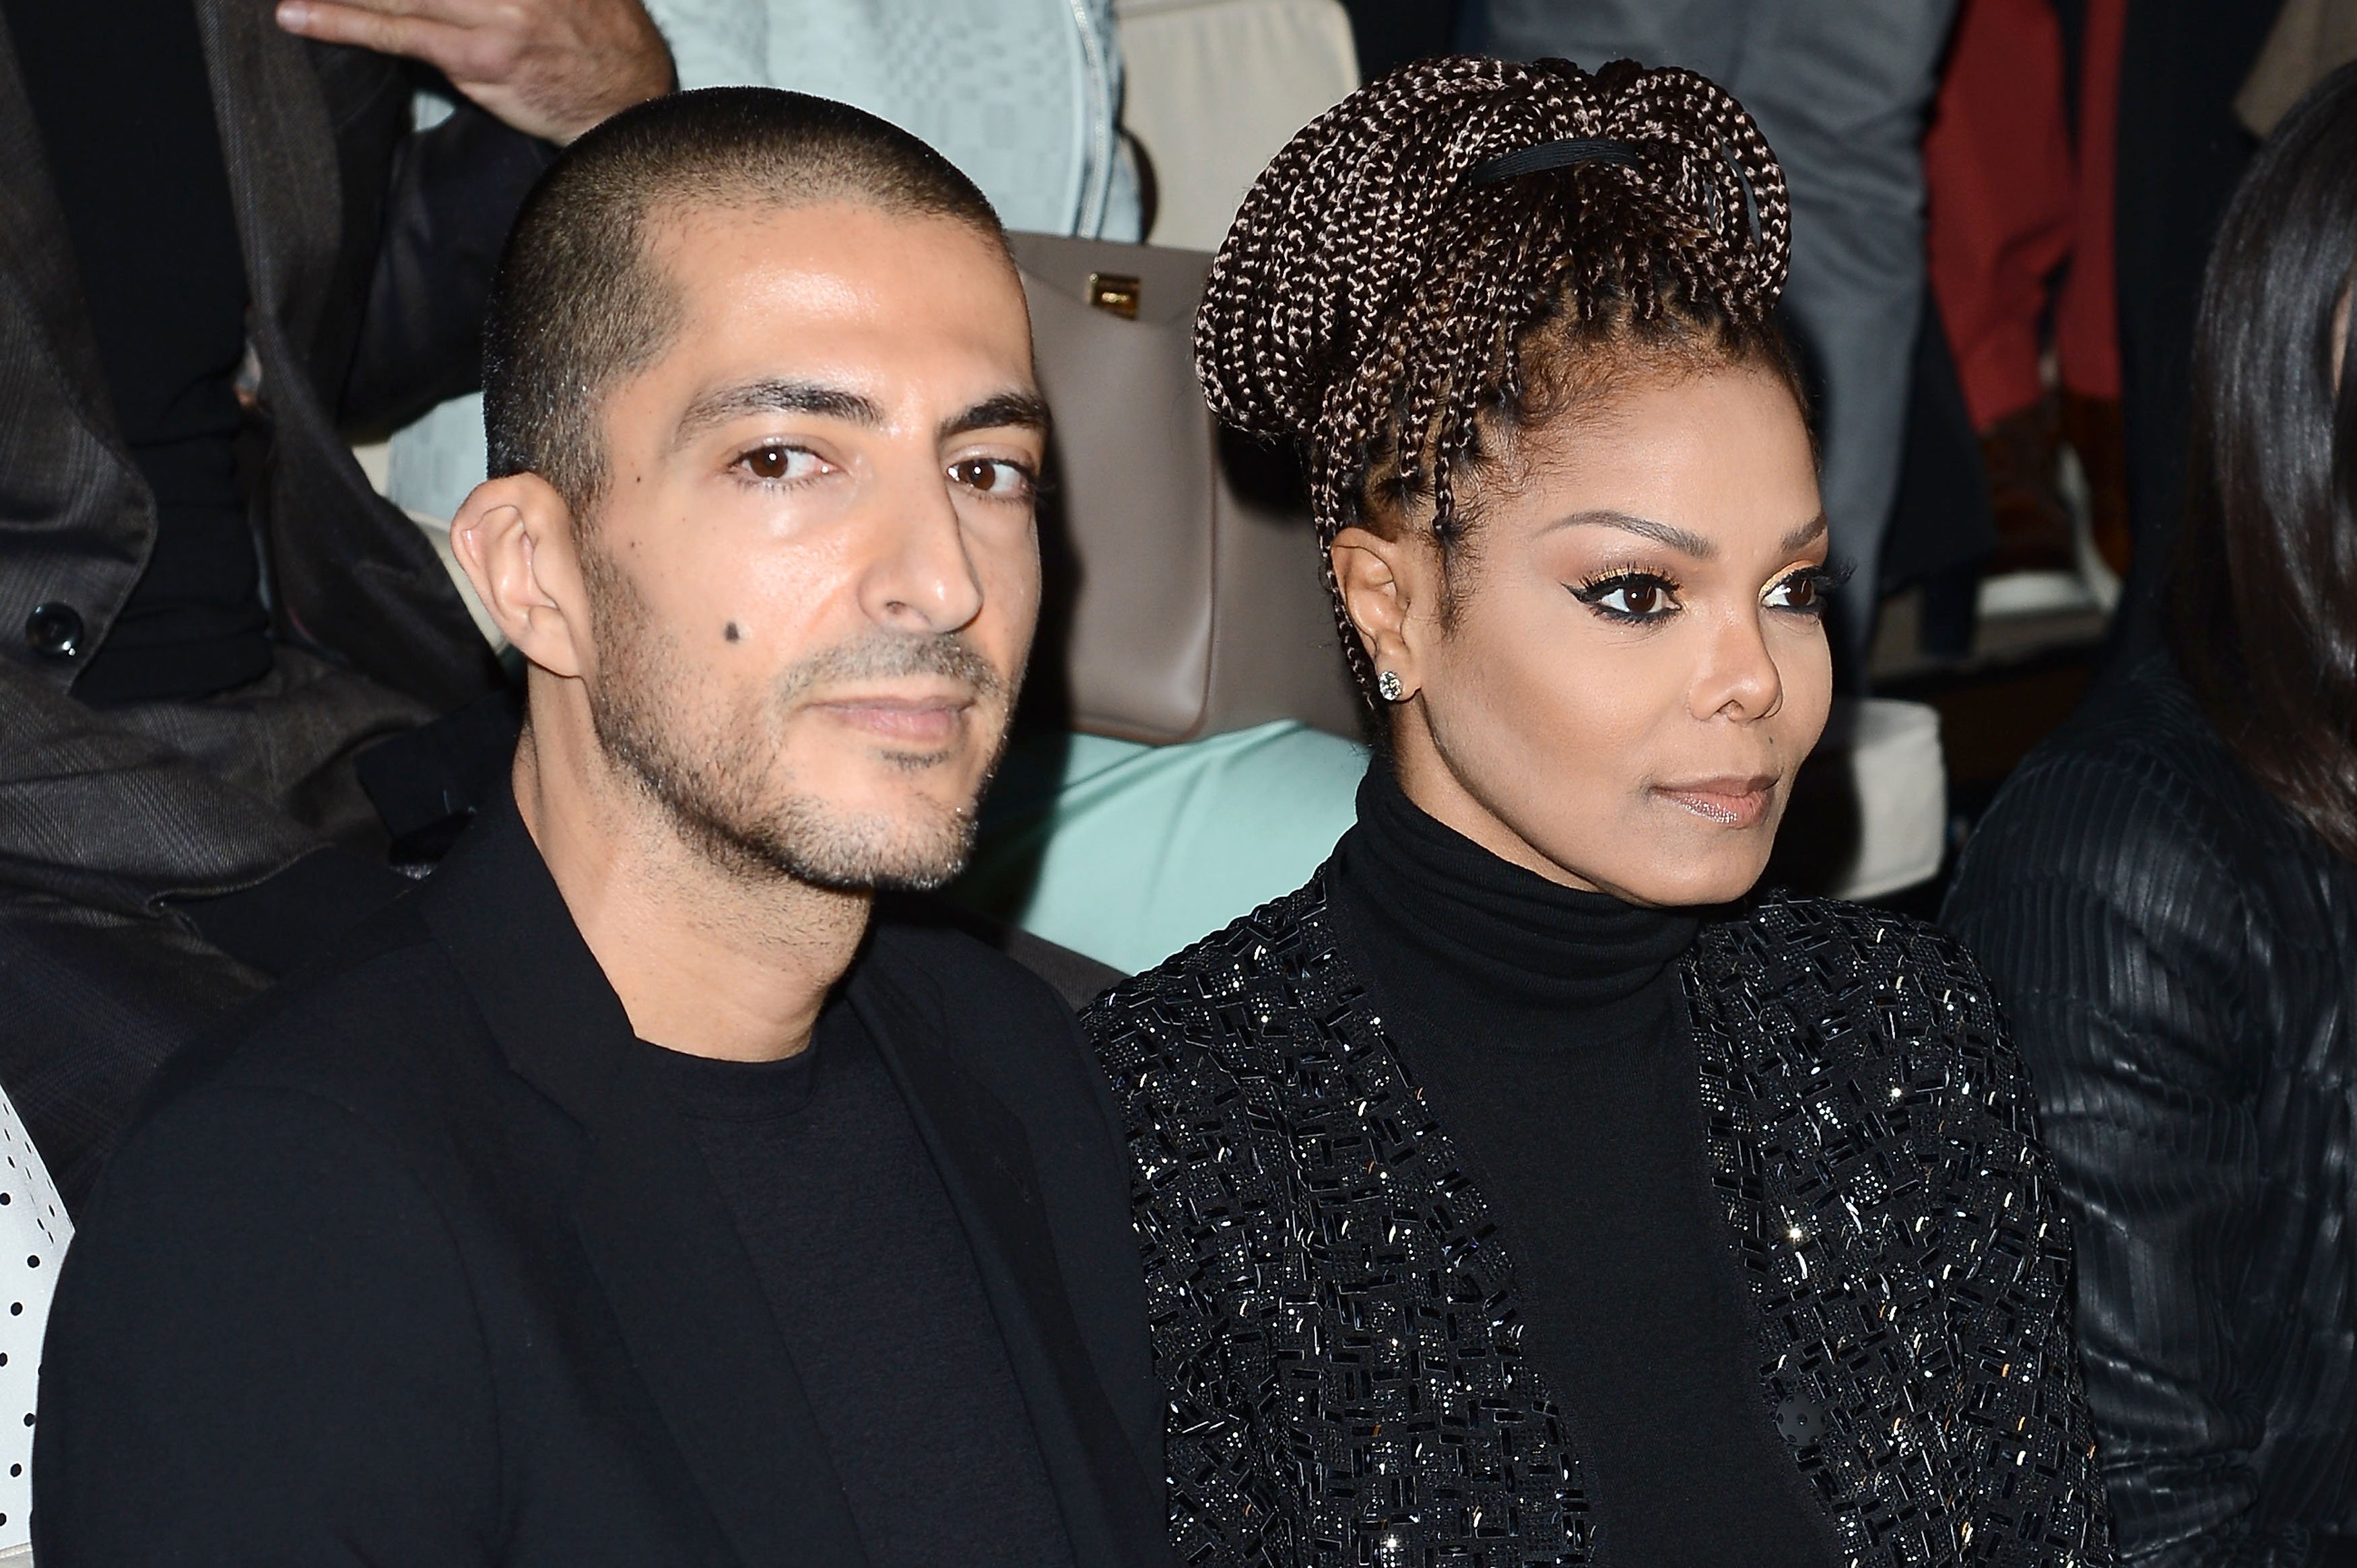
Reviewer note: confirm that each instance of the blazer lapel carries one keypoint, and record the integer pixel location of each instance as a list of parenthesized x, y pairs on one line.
[(984, 1161), (278, 145), (674, 1271), (36, 250)]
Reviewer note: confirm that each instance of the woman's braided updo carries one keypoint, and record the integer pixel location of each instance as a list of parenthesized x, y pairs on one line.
[(1389, 286)]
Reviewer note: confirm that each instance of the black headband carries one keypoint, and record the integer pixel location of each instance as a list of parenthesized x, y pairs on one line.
[(1555, 155), (1577, 150)]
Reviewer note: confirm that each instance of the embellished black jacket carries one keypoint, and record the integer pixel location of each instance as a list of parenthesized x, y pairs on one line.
[(1335, 1313)]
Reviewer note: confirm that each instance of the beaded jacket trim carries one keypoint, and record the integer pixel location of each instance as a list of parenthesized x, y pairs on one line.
[(1334, 1310)]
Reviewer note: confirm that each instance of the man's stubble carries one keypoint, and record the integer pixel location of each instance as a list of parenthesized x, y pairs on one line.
[(710, 773)]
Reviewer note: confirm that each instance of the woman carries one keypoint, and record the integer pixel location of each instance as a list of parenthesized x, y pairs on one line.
[(1507, 1196), (2165, 893)]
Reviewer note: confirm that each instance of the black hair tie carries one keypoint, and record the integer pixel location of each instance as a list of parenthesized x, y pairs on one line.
[(1568, 153), (1573, 151)]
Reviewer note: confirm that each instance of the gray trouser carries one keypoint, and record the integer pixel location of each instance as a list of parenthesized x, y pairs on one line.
[(1841, 87)]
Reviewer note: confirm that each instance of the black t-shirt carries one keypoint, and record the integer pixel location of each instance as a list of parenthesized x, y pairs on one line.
[(874, 1288), (124, 107)]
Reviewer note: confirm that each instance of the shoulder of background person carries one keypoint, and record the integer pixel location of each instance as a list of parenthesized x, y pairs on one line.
[(2136, 801)]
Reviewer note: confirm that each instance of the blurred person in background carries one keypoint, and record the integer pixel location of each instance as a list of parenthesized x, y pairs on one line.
[(2166, 897), (1519, 1189), (2181, 150), (2019, 236), (220, 239), (1843, 89), (1024, 96)]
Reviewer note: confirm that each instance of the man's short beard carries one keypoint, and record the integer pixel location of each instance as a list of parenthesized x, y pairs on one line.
[(711, 785)]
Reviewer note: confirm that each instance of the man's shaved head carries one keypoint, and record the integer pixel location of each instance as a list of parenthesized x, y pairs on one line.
[(580, 300)]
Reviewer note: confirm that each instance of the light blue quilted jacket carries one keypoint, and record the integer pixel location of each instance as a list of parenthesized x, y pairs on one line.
[(1024, 95)]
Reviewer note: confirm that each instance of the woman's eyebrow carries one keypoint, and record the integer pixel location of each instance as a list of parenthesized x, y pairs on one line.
[(1804, 535), (1684, 541)]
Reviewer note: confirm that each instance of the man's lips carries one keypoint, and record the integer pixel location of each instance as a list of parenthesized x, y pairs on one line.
[(923, 718), (1731, 803)]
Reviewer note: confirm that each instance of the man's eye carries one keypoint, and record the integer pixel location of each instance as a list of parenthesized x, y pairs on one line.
[(993, 477), (775, 460)]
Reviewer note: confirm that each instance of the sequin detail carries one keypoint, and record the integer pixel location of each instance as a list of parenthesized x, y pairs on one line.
[(1334, 1310)]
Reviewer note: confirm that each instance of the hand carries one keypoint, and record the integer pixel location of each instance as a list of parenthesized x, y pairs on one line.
[(550, 69)]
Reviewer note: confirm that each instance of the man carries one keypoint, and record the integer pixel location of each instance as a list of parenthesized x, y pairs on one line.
[(623, 1195), (218, 242)]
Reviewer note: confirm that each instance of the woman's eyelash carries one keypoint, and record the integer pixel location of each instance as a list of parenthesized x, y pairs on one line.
[(1644, 596), (1819, 581)]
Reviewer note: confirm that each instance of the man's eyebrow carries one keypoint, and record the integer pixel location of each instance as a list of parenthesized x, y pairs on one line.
[(1684, 540), (1016, 410), (1804, 535), (724, 403)]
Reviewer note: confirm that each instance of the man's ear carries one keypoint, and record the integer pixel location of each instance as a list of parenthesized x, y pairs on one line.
[(515, 537), (1379, 582)]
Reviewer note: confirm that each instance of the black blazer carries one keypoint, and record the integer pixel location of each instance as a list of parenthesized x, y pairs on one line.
[(2179, 955), (1335, 1306), (414, 1265)]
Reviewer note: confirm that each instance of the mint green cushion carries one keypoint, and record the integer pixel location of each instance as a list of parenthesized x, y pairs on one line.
[(1128, 853)]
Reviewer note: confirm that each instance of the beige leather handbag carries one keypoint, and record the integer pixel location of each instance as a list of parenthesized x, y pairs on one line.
[(2310, 39), (1184, 591)]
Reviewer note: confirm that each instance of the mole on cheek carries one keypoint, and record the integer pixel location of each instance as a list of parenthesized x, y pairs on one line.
[(731, 633)]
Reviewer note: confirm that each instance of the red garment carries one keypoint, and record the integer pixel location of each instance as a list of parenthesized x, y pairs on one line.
[(2004, 209), (2087, 317), (1998, 179)]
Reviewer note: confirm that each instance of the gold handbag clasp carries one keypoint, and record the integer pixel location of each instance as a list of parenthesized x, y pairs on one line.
[(1115, 292)]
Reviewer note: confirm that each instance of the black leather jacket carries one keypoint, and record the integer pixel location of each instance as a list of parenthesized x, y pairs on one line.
[(2178, 957)]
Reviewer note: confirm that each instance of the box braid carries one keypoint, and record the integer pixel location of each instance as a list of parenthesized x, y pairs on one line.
[(1388, 275)]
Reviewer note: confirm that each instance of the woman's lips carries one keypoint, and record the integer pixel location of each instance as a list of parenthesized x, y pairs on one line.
[(1730, 802)]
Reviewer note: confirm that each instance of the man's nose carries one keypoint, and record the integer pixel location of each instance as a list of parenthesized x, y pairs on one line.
[(920, 576)]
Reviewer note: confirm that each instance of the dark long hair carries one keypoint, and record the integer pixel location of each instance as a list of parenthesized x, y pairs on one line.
[(1470, 242), (2262, 610)]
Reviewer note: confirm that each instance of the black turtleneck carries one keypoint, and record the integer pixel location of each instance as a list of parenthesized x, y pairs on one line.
[(1548, 1027)]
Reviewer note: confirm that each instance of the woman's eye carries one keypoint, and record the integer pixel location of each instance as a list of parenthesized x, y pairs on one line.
[(1802, 591), (1630, 595), (775, 461), (997, 477)]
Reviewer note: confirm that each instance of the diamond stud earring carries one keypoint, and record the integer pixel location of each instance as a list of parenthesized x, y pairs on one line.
[(1390, 686)]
